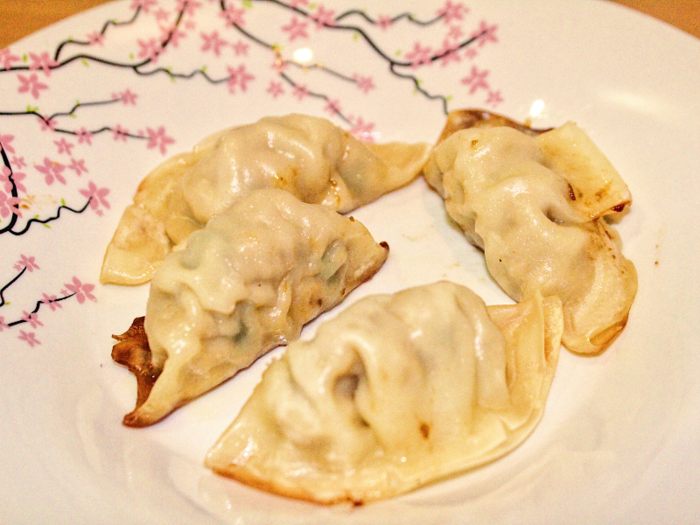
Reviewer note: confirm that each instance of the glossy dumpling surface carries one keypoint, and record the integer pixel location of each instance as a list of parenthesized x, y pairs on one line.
[(307, 156), (396, 392), (244, 284), (539, 208)]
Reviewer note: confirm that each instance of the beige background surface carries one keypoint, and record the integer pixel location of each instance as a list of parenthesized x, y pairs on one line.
[(19, 18)]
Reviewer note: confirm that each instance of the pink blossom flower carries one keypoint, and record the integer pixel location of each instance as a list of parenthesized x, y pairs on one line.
[(63, 146), (47, 124), (213, 41), (233, 15), (9, 205), (17, 178), (7, 182), (158, 139), (419, 55), (332, 106), (240, 48), (487, 32), (78, 166), (29, 338), (51, 301), (300, 92), (161, 15), (3, 324), (384, 22), (7, 58), (5, 143), (238, 77), (323, 17), (84, 136), (5, 173), (296, 29), (361, 129), (297, 3), (449, 53), (96, 196), (80, 290), (18, 162), (127, 96), (30, 84), (32, 319), (275, 89), (28, 262), (365, 84), (455, 33), (51, 170), (120, 133), (476, 80), (171, 35), (188, 7), (143, 5), (494, 98), (43, 62), (451, 11), (96, 38), (150, 49)]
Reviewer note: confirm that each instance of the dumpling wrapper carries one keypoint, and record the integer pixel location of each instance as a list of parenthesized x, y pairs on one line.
[(309, 157), (396, 392), (537, 206), (246, 283)]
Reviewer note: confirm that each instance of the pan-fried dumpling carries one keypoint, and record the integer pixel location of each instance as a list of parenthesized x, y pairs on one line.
[(310, 157), (396, 392), (246, 283), (537, 206)]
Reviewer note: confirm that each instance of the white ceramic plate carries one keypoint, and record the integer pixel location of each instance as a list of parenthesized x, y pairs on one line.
[(87, 109)]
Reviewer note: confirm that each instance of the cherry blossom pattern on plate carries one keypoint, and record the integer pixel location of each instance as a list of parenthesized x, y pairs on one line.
[(47, 137), (28, 264)]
